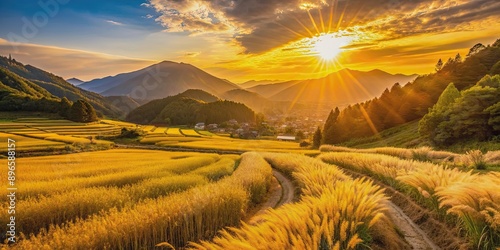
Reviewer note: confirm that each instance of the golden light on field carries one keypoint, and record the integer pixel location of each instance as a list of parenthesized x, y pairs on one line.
[(328, 46)]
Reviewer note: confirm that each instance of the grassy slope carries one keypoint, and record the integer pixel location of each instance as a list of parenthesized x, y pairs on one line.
[(406, 136), (403, 136)]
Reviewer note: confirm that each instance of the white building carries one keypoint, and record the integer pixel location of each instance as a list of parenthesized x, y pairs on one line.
[(285, 138)]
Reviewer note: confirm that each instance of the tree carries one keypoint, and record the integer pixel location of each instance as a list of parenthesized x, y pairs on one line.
[(494, 120), (300, 135), (467, 118), (429, 123), (82, 111), (329, 127), (496, 43), (439, 65), (91, 114), (458, 58), (476, 49), (64, 107), (317, 138)]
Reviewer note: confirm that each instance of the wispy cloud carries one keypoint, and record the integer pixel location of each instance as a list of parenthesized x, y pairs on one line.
[(260, 26), (114, 22), (68, 63)]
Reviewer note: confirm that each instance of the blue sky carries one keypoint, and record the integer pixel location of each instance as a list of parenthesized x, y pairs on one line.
[(105, 23), (243, 39)]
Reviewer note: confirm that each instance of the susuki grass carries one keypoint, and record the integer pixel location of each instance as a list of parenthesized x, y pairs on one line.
[(197, 213), (36, 214), (473, 198), (334, 212)]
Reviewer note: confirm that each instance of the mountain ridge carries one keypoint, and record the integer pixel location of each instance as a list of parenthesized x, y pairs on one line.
[(160, 80)]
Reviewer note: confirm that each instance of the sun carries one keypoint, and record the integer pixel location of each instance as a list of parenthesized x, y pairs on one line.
[(328, 46)]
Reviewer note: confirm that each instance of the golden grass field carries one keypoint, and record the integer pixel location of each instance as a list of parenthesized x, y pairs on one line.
[(472, 197), (151, 205), (131, 199)]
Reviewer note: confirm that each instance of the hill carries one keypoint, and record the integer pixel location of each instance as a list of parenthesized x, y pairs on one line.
[(159, 81), (57, 86), (75, 81), (19, 94), (340, 88), (186, 109), (269, 90), (253, 83), (402, 104), (251, 99)]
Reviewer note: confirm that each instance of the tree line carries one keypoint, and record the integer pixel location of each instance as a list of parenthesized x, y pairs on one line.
[(183, 109)]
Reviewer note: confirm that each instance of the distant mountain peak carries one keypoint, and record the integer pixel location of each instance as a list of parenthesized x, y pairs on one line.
[(75, 81), (159, 80)]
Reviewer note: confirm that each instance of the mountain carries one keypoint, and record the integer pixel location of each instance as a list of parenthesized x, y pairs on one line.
[(159, 81), (251, 99), (339, 88), (253, 83), (75, 81), (186, 109), (57, 86), (269, 90)]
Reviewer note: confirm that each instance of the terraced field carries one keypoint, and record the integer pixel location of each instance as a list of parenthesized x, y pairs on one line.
[(24, 143), (116, 190)]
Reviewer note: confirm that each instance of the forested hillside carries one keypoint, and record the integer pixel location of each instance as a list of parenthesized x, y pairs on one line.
[(402, 104), (56, 86), (188, 108)]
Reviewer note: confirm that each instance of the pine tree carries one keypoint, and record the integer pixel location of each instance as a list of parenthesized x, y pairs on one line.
[(439, 65), (317, 138), (329, 127), (64, 107)]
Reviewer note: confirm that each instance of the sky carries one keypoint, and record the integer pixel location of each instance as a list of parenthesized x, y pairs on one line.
[(243, 40)]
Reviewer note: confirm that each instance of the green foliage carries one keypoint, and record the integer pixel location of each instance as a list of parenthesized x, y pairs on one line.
[(82, 111), (437, 113), (39, 83), (183, 110), (330, 127), (471, 114), (131, 133), (317, 138), (65, 107)]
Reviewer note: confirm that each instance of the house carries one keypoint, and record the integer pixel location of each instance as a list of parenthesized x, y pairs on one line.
[(212, 126), (199, 126), (285, 138), (232, 122)]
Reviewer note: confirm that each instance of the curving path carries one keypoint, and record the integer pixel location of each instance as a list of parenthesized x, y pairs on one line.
[(282, 191), (417, 238), (413, 234)]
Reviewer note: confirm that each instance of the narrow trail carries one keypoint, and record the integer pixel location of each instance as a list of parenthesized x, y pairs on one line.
[(419, 228), (282, 191), (417, 238)]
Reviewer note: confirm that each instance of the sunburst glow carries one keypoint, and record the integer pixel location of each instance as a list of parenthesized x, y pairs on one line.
[(328, 46)]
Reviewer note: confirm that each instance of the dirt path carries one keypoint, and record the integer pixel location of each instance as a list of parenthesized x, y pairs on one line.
[(412, 233), (417, 238), (282, 191), (421, 230)]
